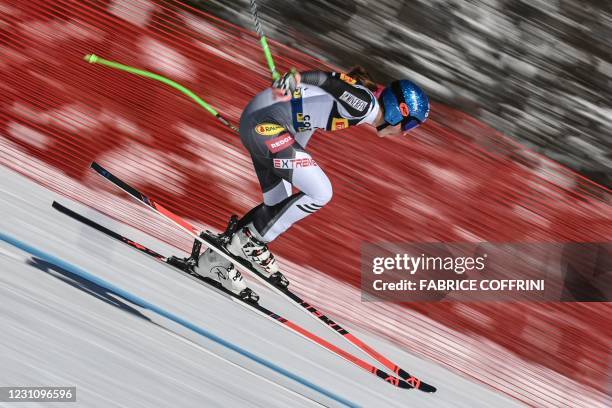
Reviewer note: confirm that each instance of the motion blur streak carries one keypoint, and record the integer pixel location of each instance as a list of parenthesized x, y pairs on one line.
[(455, 179)]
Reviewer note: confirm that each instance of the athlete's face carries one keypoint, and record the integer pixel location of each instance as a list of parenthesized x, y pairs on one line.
[(391, 131)]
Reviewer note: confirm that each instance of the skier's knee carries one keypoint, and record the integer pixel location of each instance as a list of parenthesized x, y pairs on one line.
[(324, 193)]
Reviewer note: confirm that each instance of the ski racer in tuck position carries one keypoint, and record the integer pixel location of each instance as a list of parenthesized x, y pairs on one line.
[(275, 128)]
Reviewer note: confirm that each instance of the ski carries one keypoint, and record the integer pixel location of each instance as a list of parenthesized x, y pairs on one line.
[(257, 307), (209, 239)]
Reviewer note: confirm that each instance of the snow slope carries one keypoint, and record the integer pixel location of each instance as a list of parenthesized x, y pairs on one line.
[(61, 329)]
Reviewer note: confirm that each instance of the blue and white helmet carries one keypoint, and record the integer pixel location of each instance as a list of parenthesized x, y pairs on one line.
[(404, 102)]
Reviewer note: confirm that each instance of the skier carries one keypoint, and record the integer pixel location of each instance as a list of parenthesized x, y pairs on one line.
[(275, 128)]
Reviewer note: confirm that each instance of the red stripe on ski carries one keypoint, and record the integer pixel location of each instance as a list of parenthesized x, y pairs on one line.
[(382, 359), (356, 360), (179, 220), (412, 380)]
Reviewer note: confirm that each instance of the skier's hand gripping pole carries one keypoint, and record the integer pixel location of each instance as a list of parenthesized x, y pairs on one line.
[(94, 59), (286, 85)]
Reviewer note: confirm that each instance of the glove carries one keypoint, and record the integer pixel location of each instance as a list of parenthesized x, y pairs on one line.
[(287, 83)]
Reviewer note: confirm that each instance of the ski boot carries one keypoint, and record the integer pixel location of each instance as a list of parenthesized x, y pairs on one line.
[(244, 244), (215, 269), (213, 266)]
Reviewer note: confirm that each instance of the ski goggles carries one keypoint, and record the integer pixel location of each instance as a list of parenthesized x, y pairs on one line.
[(408, 123)]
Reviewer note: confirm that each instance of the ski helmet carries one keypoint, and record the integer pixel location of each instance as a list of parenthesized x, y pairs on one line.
[(404, 102)]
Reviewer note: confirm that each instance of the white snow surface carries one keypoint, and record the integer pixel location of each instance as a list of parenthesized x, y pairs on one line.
[(62, 331)]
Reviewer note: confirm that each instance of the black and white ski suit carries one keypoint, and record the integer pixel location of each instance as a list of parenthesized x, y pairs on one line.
[(276, 134)]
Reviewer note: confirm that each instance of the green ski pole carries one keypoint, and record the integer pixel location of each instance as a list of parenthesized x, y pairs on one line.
[(94, 59)]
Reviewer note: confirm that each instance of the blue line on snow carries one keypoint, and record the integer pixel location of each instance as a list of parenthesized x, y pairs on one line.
[(171, 316)]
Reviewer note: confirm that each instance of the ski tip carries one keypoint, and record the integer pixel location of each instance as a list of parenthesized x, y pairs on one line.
[(422, 386), (427, 388), (414, 382)]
